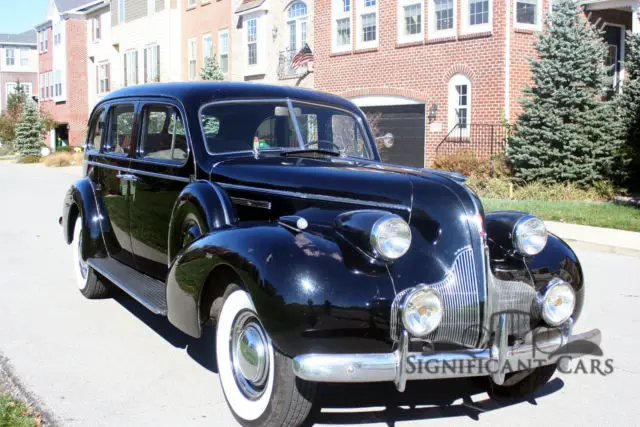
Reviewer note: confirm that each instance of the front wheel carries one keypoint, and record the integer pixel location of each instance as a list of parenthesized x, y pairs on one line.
[(258, 381)]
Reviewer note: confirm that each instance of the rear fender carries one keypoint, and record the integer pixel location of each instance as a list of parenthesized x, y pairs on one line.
[(81, 200), (301, 284)]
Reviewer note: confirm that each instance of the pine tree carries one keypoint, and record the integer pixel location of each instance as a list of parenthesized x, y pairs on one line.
[(565, 132), (211, 69), (628, 112), (29, 131)]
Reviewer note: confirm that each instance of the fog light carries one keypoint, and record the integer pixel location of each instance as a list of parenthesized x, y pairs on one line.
[(558, 302), (422, 311)]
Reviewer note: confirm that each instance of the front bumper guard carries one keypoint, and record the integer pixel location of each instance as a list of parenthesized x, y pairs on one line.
[(543, 347)]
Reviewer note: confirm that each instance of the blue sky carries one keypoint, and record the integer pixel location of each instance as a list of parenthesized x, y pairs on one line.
[(17, 16)]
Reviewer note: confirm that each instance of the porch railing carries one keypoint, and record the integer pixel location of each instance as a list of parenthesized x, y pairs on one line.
[(484, 139)]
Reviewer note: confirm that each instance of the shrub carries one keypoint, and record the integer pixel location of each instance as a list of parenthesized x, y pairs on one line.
[(29, 159), (467, 163), (77, 158), (59, 159)]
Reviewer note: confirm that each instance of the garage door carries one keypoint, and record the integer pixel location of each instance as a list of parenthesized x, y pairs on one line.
[(406, 123)]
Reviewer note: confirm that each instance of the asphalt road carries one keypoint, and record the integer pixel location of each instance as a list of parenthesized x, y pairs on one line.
[(111, 363)]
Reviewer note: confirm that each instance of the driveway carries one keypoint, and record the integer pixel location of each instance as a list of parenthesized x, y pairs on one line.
[(111, 363)]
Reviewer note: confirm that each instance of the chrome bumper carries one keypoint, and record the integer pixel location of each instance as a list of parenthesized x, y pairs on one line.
[(401, 365)]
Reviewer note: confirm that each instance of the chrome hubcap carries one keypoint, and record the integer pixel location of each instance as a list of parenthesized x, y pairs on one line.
[(250, 355)]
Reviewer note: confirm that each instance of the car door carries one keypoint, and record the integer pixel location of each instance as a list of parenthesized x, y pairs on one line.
[(161, 170), (110, 171)]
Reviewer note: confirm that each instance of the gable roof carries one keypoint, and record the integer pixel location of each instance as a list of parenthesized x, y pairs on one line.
[(28, 37), (67, 5)]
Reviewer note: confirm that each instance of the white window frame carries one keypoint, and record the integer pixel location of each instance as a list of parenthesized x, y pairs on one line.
[(103, 78), (211, 52), (45, 40), (535, 27), (51, 85), (247, 25), (192, 55), (10, 87), (151, 54), (299, 22), (11, 57), (122, 13), (456, 80), (151, 7), (467, 28), (408, 38), (361, 11), (24, 56), (223, 48), (96, 26), (338, 14), (132, 68), (57, 84), (437, 34), (41, 90)]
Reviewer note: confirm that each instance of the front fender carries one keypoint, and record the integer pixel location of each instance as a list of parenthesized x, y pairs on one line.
[(80, 200), (307, 295)]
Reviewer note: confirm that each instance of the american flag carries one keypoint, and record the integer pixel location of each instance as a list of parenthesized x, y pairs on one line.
[(304, 56)]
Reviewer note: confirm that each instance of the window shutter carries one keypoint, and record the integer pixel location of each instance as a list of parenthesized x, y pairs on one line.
[(126, 81), (108, 73), (158, 63), (135, 56), (146, 72)]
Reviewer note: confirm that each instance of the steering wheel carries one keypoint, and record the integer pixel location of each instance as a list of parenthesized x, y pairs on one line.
[(310, 143)]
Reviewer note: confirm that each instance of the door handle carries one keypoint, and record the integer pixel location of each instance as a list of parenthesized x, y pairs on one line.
[(127, 177)]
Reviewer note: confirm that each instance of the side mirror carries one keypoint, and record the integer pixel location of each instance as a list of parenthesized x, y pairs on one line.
[(386, 140)]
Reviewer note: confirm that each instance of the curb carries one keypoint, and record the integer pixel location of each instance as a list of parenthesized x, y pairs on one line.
[(11, 384), (603, 248)]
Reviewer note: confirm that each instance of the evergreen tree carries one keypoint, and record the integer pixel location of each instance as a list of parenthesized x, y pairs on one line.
[(565, 132), (628, 112), (211, 69), (29, 131), (9, 118)]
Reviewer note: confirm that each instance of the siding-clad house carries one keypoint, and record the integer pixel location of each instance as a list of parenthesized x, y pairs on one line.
[(101, 52), (146, 34), (266, 35), (18, 64)]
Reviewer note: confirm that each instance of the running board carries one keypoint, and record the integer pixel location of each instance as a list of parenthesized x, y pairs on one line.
[(149, 292)]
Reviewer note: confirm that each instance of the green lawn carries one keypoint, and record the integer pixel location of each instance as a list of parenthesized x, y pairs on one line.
[(586, 213), (16, 414)]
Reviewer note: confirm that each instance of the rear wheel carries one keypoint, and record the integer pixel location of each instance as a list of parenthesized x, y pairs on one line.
[(257, 380), (88, 281), (521, 384)]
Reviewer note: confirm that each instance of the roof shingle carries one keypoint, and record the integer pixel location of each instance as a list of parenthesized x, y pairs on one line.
[(28, 37)]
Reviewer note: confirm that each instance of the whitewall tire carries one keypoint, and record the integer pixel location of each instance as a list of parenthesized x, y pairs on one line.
[(258, 381), (87, 280)]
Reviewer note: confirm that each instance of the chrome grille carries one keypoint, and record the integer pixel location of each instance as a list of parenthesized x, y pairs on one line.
[(461, 322)]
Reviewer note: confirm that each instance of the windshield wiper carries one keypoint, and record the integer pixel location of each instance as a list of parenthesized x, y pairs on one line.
[(311, 151)]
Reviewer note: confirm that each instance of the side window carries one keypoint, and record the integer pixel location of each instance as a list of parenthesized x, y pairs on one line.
[(163, 134), (95, 130), (120, 129)]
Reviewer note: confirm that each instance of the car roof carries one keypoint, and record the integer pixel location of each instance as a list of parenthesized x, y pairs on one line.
[(198, 93)]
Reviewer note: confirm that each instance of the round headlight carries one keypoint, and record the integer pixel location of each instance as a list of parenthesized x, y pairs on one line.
[(558, 302), (390, 237), (530, 235), (422, 312)]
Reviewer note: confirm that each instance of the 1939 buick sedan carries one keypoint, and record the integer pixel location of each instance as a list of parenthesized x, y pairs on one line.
[(263, 216)]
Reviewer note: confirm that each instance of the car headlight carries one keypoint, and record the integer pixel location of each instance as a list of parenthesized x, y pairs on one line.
[(558, 302), (422, 311), (530, 235), (390, 237)]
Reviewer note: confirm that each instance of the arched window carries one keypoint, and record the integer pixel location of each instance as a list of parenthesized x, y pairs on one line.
[(297, 26), (460, 105)]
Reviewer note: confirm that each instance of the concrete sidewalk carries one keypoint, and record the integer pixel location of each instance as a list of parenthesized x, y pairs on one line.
[(619, 241)]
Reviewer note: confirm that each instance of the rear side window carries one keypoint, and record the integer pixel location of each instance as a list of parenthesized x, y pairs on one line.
[(96, 130), (120, 129), (163, 135)]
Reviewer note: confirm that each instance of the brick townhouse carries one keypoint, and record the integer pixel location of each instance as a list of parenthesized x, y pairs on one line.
[(62, 78), (18, 65), (205, 31), (440, 75)]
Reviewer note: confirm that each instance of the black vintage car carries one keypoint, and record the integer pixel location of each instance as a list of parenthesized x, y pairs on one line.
[(263, 217)]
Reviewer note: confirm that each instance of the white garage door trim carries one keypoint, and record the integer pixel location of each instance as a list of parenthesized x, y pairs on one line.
[(383, 100)]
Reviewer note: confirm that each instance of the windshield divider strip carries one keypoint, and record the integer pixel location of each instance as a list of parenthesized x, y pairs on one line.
[(295, 123)]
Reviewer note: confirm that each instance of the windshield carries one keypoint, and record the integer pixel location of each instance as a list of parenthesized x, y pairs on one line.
[(262, 126)]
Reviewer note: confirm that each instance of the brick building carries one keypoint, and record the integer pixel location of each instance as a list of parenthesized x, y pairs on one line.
[(205, 32), (440, 74), (63, 70), (18, 65)]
